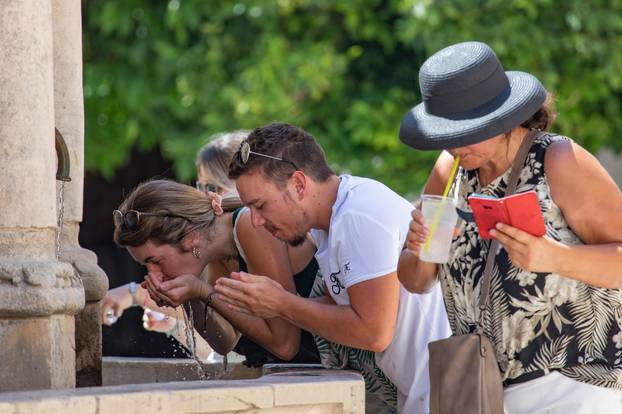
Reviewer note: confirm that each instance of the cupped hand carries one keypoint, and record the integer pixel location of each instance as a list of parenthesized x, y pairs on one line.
[(183, 288), (152, 283), (255, 295)]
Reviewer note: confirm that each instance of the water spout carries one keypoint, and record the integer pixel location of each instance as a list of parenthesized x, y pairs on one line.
[(62, 154)]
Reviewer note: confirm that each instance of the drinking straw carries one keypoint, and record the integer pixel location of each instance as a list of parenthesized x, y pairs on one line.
[(437, 213)]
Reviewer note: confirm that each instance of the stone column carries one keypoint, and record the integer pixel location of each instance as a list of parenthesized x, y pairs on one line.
[(38, 294), (69, 120)]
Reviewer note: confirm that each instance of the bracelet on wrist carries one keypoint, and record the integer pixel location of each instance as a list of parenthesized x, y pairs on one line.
[(132, 287), (210, 298)]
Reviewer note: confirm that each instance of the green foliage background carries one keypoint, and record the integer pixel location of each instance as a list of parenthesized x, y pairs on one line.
[(172, 73)]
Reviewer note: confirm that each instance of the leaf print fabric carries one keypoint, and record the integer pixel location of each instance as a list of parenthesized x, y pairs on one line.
[(336, 356), (536, 321)]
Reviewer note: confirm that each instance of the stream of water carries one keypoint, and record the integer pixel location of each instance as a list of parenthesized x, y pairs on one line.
[(61, 213), (191, 340)]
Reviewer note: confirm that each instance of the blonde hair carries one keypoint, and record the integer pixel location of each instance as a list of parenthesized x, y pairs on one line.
[(216, 156), (179, 208)]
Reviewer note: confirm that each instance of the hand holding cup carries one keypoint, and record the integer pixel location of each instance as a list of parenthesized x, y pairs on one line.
[(417, 232)]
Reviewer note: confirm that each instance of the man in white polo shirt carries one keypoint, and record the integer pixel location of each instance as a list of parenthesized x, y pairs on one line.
[(359, 227)]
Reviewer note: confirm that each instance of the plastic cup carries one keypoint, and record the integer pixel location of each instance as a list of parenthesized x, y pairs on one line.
[(441, 218)]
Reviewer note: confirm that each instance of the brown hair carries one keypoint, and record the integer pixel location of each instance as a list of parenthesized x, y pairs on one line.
[(284, 141), (544, 117), (188, 208), (215, 156)]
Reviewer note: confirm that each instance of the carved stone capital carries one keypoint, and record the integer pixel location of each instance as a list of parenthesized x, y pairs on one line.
[(39, 288), (93, 277)]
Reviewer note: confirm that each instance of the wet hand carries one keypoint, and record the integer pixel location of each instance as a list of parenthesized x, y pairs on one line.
[(255, 295), (183, 288), (417, 232), (113, 305), (152, 284), (530, 253), (158, 322)]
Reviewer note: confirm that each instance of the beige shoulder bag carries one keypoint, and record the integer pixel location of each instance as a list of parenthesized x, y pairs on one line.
[(464, 374)]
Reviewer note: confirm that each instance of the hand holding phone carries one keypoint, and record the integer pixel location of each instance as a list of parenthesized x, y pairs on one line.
[(520, 210)]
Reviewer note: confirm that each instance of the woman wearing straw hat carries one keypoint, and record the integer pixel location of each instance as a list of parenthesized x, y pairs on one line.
[(555, 307)]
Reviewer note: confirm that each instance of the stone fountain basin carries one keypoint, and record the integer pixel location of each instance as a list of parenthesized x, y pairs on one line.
[(132, 370)]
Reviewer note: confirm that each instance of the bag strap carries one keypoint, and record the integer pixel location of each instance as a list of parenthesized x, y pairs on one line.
[(517, 166)]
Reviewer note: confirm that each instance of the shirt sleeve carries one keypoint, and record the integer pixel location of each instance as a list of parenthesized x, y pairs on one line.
[(367, 248)]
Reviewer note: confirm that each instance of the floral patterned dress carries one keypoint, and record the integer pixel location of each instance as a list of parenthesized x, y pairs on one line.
[(538, 322)]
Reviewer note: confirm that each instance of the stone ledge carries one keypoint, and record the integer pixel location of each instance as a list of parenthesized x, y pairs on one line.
[(332, 392)]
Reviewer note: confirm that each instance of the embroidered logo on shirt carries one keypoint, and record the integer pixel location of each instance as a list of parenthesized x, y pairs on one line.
[(337, 286), (346, 268)]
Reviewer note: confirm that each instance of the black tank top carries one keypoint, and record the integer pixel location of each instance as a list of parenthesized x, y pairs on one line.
[(255, 354)]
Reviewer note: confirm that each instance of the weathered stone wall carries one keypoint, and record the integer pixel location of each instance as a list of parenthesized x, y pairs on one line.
[(69, 120), (38, 295)]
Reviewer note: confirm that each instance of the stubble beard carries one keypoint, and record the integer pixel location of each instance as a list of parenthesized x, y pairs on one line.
[(298, 239)]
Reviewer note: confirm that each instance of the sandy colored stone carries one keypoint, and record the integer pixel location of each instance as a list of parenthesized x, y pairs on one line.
[(287, 389), (27, 158), (39, 288), (84, 262), (124, 370), (68, 97), (235, 396), (69, 120), (89, 346), (37, 353)]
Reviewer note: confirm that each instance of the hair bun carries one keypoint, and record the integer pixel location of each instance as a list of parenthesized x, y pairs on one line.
[(216, 200)]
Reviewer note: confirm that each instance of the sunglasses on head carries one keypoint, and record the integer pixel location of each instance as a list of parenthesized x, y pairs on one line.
[(245, 153), (131, 218)]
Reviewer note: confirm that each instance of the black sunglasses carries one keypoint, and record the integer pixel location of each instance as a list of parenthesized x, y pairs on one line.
[(131, 218), (245, 152)]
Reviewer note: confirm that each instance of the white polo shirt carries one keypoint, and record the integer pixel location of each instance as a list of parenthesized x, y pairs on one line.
[(368, 227)]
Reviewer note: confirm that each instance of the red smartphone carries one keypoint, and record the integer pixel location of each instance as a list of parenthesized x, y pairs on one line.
[(520, 210)]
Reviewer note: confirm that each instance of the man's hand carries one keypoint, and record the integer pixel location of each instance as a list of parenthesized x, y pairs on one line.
[(255, 295)]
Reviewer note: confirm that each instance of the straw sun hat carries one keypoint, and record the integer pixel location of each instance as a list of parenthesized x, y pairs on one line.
[(468, 98)]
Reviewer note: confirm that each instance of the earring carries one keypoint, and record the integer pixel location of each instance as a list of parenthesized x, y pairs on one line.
[(196, 252)]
